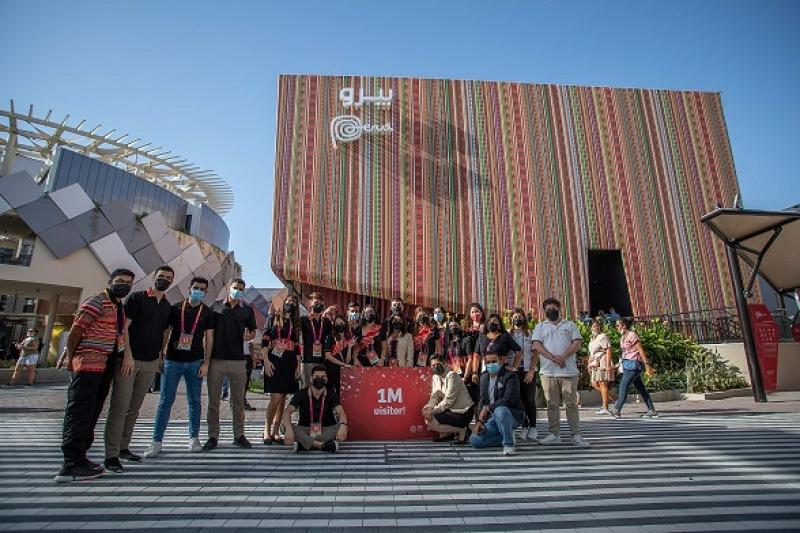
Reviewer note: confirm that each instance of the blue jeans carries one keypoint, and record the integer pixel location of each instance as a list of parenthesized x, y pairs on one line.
[(634, 377), (171, 375), (499, 429)]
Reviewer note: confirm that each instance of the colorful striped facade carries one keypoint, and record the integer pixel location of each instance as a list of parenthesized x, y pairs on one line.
[(495, 191)]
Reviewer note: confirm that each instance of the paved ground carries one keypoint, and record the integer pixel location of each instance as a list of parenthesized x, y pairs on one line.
[(726, 465)]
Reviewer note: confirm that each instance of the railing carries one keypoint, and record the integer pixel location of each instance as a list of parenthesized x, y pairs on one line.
[(717, 326)]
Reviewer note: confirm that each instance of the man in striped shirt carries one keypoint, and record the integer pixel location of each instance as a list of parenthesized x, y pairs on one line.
[(95, 349)]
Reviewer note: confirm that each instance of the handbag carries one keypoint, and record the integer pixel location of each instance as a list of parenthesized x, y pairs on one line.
[(631, 364)]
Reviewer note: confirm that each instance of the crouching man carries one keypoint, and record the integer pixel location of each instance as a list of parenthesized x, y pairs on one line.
[(319, 409)]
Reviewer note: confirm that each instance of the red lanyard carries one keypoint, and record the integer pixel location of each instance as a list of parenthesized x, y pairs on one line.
[(321, 407), (196, 319), (317, 337)]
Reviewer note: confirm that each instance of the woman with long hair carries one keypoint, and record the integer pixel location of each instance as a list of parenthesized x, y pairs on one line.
[(425, 336), (456, 352), (524, 364), (368, 339), (340, 354), (600, 364), (398, 347), (634, 362), (282, 367), (473, 328), (440, 325)]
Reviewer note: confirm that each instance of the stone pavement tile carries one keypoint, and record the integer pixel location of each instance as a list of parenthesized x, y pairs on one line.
[(380, 522), (241, 522), (448, 521), (24, 526), (276, 523)]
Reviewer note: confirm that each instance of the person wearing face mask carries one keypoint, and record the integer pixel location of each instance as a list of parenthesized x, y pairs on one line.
[(600, 364), (500, 408), (440, 325), (473, 328), (322, 422), (315, 329), (455, 351), (398, 348), (188, 355), (426, 337), (397, 308), (450, 408), (524, 364), (354, 315), (234, 323), (147, 313), (557, 341), (369, 340), (282, 365), (94, 351), (28, 357), (340, 355)]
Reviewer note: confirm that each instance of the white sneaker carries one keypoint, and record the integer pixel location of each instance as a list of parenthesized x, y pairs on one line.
[(153, 450), (295, 447), (533, 434), (509, 450), (195, 446), (551, 439), (578, 441), (523, 434), (603, 412)]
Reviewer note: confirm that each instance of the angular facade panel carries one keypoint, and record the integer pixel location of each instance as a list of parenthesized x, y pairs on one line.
[(496, 192)]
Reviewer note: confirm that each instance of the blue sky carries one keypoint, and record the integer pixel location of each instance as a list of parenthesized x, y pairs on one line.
[(199, 78)]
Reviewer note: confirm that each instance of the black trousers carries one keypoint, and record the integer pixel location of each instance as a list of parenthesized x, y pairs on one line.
[(86, 395), (457, 420), (528, 393)]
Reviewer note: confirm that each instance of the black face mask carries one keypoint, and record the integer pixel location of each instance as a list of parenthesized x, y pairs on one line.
[(422, 320), (162, 284), (397, 309), (494, 327), (340, 328), (288, 308), (397, 326), (369, 317), (519, 322), (455, 332), (318, 307), (552, 314), (318, 383), (438, 369), (120, 290)]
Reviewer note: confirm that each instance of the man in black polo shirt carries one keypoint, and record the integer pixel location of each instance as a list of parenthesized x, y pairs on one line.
[(188, 355), (234, 324), (147, 316), (315, 330), (319, 409)]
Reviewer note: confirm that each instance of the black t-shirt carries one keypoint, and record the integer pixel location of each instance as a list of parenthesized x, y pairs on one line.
[(502, 345), (300, 402), (149, 318), (229, 325), (314, 328), (204, 322)]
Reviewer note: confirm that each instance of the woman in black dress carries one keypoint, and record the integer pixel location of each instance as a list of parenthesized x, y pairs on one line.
[(368, 339), (339, 351), (282, 366)]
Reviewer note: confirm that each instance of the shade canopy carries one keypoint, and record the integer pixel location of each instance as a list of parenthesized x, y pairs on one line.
[(772, 236)]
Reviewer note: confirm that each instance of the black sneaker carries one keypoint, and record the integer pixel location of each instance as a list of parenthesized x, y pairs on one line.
[(78, 472), (127, 455), (210, 444), (330, 447), (248, 407), (113, 465), (242, 442), (445, 438), (224, 395)]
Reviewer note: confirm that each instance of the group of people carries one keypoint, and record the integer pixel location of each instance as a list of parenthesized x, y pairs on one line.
[(482, 372)]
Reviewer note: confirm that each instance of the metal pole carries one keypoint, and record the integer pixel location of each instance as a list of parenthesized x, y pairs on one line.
[(747, 329)]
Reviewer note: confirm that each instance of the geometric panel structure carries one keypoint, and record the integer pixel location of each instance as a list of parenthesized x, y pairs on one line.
[(62, 239), (168, 247), (72, 200), (119, 214), (181, 269), (135, 237), (156, 226), (495, 192), (92, 225), (148, 258), (4, 206), (41, 214), (19, 189), (111, 252), (193, 257)]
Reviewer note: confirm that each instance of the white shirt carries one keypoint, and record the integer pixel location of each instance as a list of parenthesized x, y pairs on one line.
[(525, 343), (557, 338), (492, 387)]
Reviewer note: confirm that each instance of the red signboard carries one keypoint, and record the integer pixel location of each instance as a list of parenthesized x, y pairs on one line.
[(765, 333), (385, 403)]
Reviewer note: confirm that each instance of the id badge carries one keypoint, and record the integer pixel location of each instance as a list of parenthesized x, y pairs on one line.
[(120, 343), (185, 342), (422, 360), (315, 430), (317, 351), (373, 357)]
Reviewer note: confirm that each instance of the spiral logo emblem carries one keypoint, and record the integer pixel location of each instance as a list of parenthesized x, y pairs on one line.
[(346, 128)]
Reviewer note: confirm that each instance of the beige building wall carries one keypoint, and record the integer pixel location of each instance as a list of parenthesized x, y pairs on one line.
[(788, 362)]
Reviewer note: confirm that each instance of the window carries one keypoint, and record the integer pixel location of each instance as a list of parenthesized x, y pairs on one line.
[(29, 306)]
